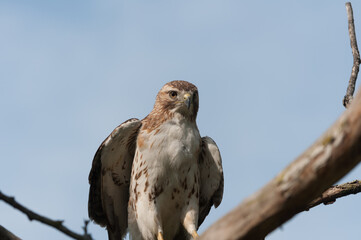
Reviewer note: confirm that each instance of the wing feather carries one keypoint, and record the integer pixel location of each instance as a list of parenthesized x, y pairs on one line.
[(211, 178), (109, 179)]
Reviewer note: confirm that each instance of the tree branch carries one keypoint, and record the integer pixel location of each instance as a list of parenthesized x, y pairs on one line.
[(334, 192), (356, 57), (57, 224)]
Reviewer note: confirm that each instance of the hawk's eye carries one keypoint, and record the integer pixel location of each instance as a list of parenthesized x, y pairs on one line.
[(173, 94)]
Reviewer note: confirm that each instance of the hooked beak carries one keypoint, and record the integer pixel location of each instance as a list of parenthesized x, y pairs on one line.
[(187, 100)]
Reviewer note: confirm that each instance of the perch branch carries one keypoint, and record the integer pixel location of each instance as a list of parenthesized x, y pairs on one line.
[(356, 57), (58, 224)]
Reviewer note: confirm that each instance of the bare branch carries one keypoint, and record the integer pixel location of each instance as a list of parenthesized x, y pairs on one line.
[(356, 57), (334, 192), (58, 224)]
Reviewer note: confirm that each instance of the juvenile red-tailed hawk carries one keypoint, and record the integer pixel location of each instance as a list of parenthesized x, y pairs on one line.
[(157, 177)]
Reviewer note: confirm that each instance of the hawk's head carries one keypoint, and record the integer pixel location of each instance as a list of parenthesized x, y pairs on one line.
[(178, 97)]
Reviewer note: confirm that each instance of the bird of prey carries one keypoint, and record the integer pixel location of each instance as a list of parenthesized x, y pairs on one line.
[(157, 178)]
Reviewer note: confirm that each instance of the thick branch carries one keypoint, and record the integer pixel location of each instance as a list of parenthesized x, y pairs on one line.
[(356, 57), (58, 224)]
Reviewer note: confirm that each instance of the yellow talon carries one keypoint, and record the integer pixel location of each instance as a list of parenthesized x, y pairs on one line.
[(195, 235), (160, 236)]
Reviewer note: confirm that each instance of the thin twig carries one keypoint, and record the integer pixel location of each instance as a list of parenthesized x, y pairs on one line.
[(58, 224), (338, 191), (356, 57)]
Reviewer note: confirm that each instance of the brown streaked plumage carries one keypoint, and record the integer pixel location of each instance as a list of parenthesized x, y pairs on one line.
[(158, 168)]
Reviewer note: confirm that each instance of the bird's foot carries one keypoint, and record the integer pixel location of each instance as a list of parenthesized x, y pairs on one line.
[(160, 236), (195, 235)]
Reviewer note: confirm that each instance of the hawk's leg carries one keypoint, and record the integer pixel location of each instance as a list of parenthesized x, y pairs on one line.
[(191, 207), (189, 222), (160, 236), (195, 235)]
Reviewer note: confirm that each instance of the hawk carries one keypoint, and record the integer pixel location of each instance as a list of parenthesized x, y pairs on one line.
[(157, 177)]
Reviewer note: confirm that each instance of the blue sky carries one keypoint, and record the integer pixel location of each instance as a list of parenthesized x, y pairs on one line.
[(271, 77)]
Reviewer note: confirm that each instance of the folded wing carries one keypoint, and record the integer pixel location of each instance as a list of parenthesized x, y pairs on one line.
[(109, 179), (211, 178)]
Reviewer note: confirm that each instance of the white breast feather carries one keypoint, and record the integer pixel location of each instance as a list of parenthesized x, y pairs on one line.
[(171, 159)]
